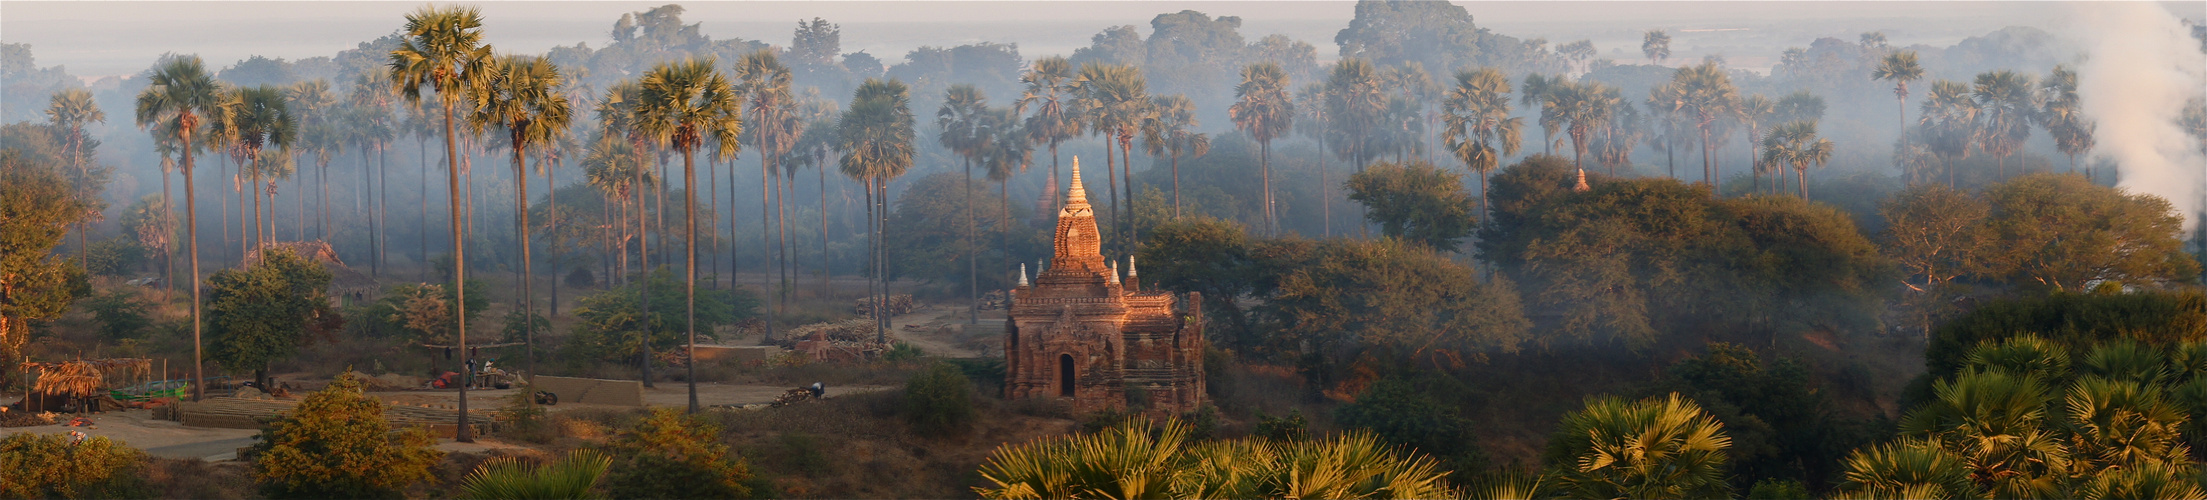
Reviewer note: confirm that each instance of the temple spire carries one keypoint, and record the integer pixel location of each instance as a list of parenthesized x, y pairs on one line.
[(1076, 197), (1022, 274)]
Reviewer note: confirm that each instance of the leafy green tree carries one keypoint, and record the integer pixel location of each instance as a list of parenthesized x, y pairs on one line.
[(1263, 109), (939, 401), (1436, 35), (36, 208), (336, 444), (1782, 425), (684, 104), (2064, 233), (120, 314), (612, 325), (265, 311), (1207, 256), (1935, 234), (443, 49), (2072, 321), (1651, 448), (1404, 414), (671, 455), (931, 235), (1395, 301), (521, 95), (1416, 202), (179, 95), (56, 466)]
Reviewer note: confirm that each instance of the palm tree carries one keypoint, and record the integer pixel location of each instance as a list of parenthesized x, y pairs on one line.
[(1797, 145), (1477, 125), (1137, 459), (1534, 95), (1355, 105), (521, 95), (261, 119), (443, 48), (1050, 90), (1667, 104), (1010, 151), (1170, 132), (1909, 468), (1652, 448), (1949, 123), (70, 110), (1751, 112), (1656, 45), (1115, 100), (1993, 421), (1705, 93), (1313, 123), (1263, 109), (369, 125), (2063, 116), (2005, 98), (509, 478), (965, 133), (684, 103), (620, 116), (178, 95), (775, 128), (877, 146), (1900, 68), (321, 131), (1578, 109)]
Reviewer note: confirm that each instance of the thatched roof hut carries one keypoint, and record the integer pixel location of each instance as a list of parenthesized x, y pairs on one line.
[(85, 377)]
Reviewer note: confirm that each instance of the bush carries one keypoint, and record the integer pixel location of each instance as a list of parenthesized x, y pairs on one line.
[(939, 401), (671, 455), (1286, 428), (902, 352), (120, 313), (114, 257), (1778, 489), (50, 466), (1403, 415), (509, 478), (336, 444), (2074, 321)]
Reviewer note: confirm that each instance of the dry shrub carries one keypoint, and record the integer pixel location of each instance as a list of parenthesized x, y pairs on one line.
[(198, 479)]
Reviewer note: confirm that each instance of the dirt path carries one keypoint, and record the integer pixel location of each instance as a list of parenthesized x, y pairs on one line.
[(942, 331)]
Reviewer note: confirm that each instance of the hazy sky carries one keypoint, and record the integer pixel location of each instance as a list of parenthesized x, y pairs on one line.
[(110, 38)]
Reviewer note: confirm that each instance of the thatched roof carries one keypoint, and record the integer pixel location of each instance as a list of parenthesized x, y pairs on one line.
[(86, 377), (343, 280)]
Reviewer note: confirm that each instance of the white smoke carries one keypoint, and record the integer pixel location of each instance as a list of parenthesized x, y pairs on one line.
[(2141, 68)]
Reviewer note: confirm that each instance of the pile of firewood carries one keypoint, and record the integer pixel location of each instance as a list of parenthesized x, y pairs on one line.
[(898, 304)]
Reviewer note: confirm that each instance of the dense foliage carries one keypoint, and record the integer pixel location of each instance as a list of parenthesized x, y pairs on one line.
[(610, 325), (1136, 459), (59, 466), (263, 313), (671, 455), (939, 401), (336, 444)]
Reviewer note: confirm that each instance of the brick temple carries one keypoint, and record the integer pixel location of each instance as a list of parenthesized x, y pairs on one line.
[(1081, 334)]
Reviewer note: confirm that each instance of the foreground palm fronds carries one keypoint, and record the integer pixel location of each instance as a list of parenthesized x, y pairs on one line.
[(509, 478), (1139, 460)]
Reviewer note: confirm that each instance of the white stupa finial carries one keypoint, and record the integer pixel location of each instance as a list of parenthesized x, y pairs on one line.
[(1112, 272), (1022, 274), (1130, 266)]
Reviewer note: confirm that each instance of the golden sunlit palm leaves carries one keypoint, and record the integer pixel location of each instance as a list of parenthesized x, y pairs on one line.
[(1653, 448), (1137, 460)]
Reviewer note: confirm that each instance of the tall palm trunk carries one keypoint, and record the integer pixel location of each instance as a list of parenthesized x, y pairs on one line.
[(383, 199), (827, 290), (1111, 188), (168, 257), (1325, 188), (712, 208), (551, 208), (528, 273), (367, 181), (782, 251), (689, 249), (643, 261), (421, 210), (1176, 185), (1126, 177), (766, 236), (973, 269), (734, 265), (873, 294), (1708, 168), (1264, 160), (191, 236), (459, 266), (881, 256)]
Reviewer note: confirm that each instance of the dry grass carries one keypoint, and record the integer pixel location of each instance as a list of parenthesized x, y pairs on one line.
[(196, 479), (874, 453)]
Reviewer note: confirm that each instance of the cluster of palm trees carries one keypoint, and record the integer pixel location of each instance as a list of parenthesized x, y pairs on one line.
[(1993, 114), (2024, 420)]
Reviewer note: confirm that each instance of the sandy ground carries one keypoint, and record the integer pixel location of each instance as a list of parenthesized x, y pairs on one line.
[(667, 394), (161, 438)]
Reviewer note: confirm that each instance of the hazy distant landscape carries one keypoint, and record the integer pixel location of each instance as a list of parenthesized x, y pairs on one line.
[(1228, 249)]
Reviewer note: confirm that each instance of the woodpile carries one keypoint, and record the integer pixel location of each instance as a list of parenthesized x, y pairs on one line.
[(898, 304), (238, 413)]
